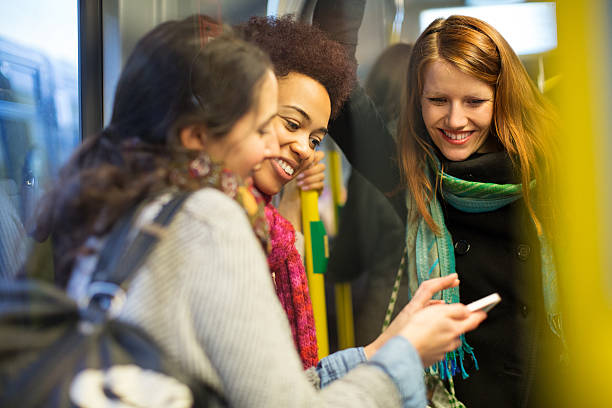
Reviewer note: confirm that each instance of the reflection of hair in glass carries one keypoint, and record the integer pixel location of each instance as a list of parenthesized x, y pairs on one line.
[(523, 122), (302, 48), (386, 80), (207, 29), (154, 99)]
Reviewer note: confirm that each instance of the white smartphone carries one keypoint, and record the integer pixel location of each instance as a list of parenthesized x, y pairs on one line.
[(485, 304)]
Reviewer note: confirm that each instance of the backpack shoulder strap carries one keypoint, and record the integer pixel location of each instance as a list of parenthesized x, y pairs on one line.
[(117, 267)]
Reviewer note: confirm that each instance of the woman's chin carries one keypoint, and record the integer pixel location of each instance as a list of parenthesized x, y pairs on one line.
[(267, 188)]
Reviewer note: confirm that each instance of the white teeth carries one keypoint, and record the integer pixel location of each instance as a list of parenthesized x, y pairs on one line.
[(285, 166), (456, 136)]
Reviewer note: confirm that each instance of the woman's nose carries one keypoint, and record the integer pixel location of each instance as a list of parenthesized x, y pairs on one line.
[(302, 148), (456, 118)]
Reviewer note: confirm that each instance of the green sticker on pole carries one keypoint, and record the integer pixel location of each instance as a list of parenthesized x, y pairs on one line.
[(320, 246)]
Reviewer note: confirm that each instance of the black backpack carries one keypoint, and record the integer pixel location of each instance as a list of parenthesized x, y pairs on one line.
[(54, 353)]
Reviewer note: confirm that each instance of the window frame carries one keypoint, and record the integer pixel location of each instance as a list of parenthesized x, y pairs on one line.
[(90, 74)]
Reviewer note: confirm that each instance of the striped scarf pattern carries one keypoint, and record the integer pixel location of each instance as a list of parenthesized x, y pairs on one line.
[(430, 256)]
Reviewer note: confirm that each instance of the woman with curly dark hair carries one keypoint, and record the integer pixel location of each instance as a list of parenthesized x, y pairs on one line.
[(310, 91), (315, 77)]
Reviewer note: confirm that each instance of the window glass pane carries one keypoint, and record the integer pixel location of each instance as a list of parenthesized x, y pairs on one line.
[(39, 110), (125, 21)]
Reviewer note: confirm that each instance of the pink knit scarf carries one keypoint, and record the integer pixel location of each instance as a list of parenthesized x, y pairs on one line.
[(291, 285)]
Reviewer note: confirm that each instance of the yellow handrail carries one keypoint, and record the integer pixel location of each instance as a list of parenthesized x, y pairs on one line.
[(316, 282), (342, 291)]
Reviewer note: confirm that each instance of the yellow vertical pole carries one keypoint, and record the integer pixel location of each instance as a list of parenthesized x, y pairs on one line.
[(316, 282), (335, 183), (583, 250), (342, 291), (344, 315)]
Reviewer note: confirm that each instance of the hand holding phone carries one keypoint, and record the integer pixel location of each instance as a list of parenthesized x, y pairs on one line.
[(485, 304)]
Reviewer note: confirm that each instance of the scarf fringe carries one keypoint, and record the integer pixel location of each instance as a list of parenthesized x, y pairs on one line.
[(448, 367), (555, 324)]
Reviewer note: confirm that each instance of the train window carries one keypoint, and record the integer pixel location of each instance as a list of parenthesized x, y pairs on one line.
[(20, 82), (39, 111), (124, 22)]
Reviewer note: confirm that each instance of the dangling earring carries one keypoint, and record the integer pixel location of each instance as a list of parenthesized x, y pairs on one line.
[(229, 183), (201, 166)]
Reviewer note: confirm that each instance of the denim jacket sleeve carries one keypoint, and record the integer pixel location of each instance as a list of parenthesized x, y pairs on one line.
[(398, 358), (336, 365)]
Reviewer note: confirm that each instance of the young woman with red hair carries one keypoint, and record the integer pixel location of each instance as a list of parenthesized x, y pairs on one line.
[(476, 158)]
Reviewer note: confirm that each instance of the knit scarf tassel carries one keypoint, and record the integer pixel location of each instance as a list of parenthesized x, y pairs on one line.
[(429, 255), (452, 363)]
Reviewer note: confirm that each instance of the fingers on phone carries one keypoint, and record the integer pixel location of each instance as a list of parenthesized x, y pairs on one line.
[(474, 320)]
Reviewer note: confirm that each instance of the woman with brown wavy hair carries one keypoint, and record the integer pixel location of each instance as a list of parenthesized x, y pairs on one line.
[(476, 154)]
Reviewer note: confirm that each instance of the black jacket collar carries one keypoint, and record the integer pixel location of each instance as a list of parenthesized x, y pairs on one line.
[(495, 167)]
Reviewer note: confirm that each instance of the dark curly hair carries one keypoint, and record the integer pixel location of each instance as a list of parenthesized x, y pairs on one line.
[(302, 48)]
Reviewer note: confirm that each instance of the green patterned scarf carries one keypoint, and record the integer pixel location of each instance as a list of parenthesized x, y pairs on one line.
[(430, 256)]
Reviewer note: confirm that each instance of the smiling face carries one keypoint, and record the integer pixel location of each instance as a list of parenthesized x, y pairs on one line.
[(253, 138), (304, 108), (457, 111)]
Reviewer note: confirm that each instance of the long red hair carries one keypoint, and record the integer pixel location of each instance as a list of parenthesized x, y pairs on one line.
[(523, 121)]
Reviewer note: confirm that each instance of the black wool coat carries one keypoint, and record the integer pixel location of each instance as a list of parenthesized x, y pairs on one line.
[(496, 251)]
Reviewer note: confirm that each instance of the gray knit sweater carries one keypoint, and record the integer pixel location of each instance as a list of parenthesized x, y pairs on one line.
[(206, 296)]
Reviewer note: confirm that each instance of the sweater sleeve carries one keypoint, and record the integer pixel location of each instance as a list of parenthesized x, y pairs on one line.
[(338, 364), (409, 377), (225, 300), (12, 239)]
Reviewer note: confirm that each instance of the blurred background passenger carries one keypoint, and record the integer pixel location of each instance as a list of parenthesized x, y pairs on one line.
[(368, 247), (385, 81)]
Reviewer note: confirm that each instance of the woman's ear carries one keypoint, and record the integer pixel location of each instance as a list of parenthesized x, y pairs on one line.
[(193, 137)]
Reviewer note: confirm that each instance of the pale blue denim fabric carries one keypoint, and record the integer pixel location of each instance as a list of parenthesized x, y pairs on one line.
[(336, 365), (398, 358)]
